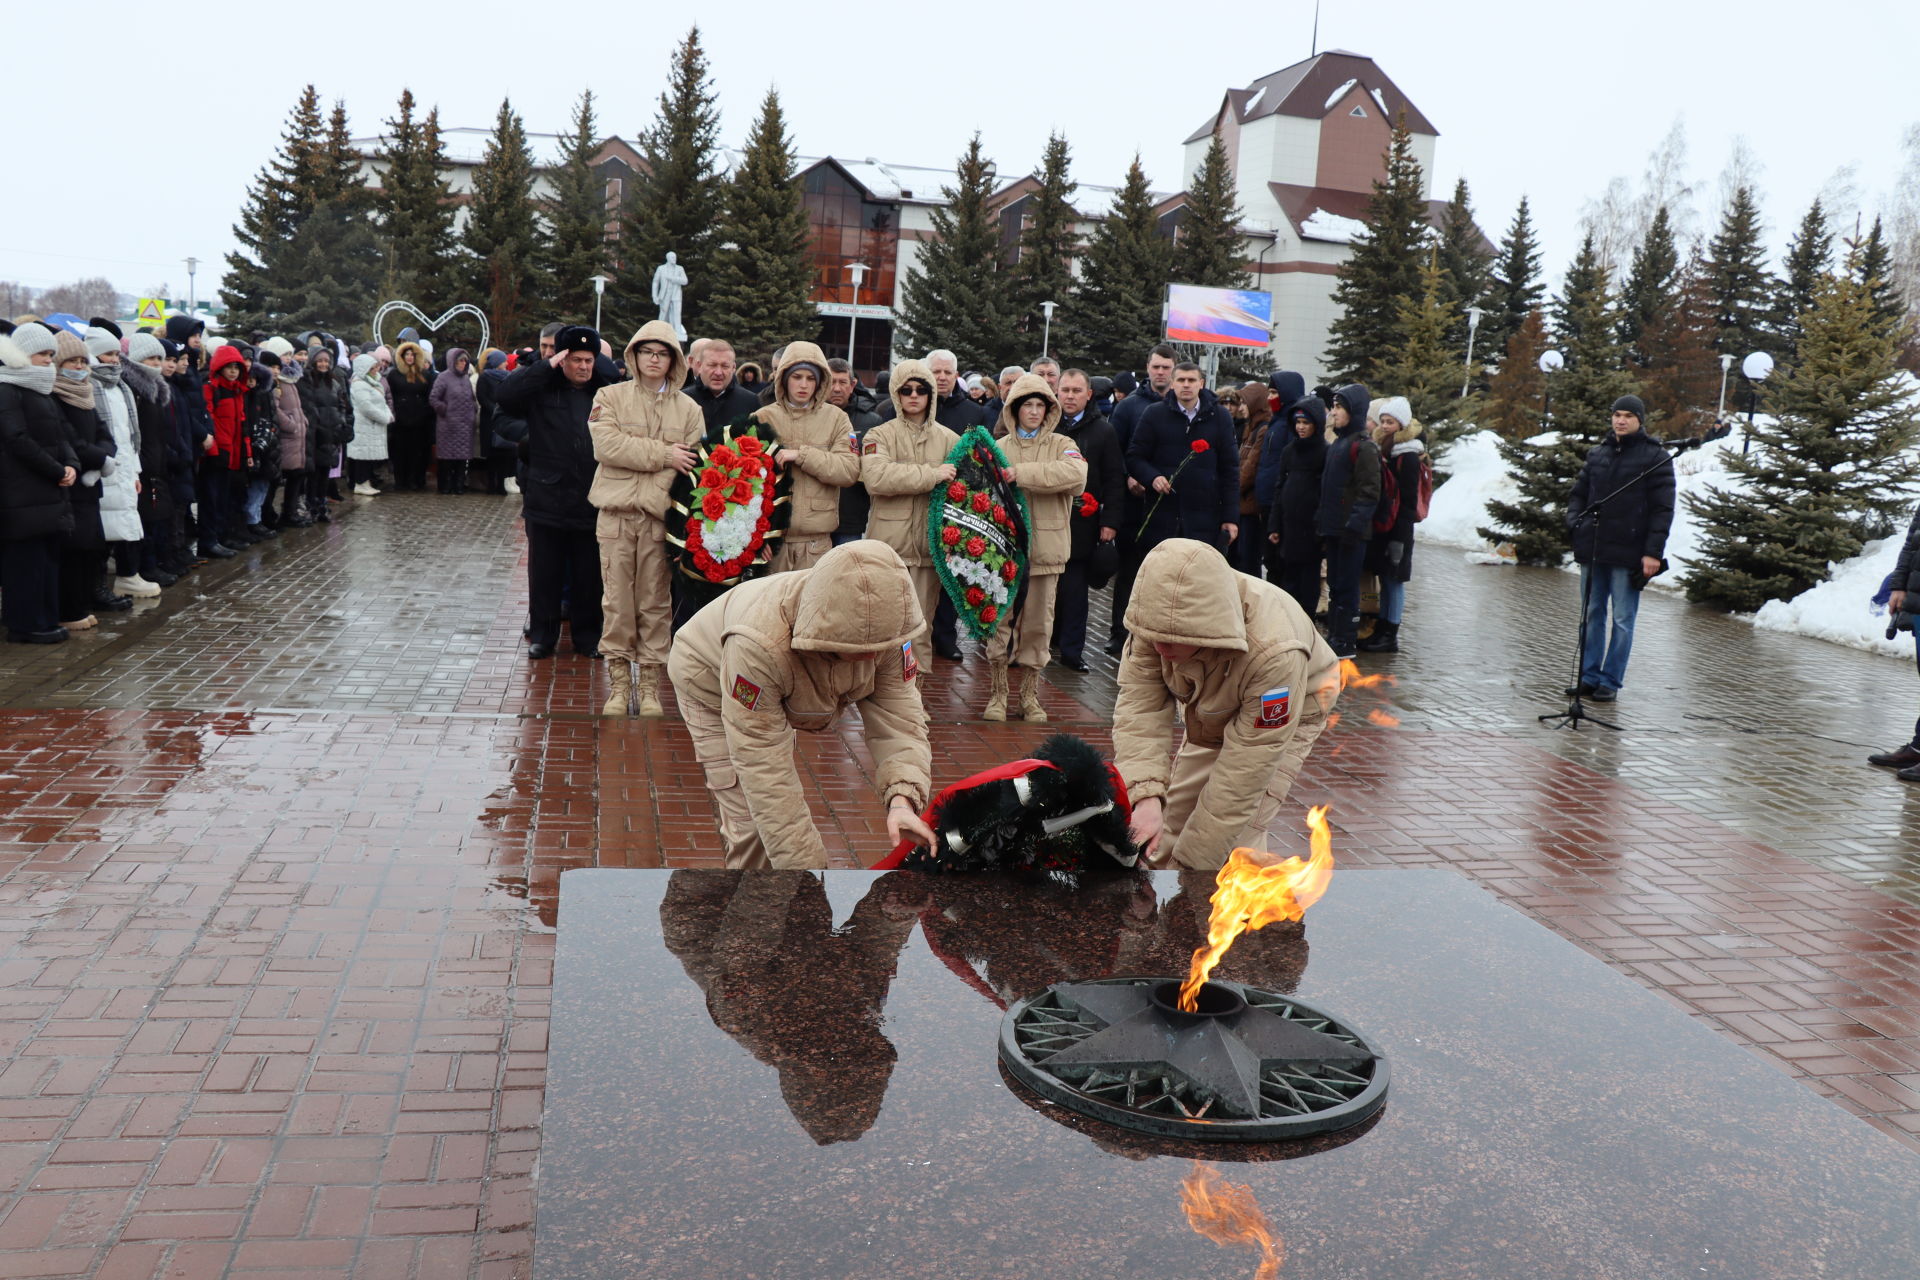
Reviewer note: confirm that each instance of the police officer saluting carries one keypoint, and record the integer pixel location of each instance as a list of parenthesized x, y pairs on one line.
[(791, 651), (1252, 678)]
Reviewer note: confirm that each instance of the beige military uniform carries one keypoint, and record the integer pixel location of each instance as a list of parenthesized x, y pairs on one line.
[(900, 467), (1255, 699), (823, 437), (1050, 470), (634, 431), (760, 662)]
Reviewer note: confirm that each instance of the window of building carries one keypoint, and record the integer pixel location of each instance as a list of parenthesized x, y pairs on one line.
[(846, 227), (1359, 111)]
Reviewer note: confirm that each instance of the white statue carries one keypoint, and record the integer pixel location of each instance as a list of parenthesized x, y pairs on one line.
[(668, 280)]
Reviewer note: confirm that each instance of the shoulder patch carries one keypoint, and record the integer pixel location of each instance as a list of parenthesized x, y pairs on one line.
[(1276, 708), (871, 446), (909, 665), (745, 692), (1074, 454)]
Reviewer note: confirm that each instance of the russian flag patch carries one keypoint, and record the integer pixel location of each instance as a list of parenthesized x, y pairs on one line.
[(1276, 708)]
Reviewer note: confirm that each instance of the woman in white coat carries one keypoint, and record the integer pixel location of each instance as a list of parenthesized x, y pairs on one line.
[(371, 414), (120, 484)]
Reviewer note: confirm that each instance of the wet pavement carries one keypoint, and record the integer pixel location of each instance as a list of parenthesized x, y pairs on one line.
[(279, 858)]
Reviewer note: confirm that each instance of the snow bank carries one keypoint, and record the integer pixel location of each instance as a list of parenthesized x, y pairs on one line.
[(1839, 610), (1321, 225)]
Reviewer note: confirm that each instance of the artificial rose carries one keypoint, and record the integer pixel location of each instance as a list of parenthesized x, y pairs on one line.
[(990, 614), (751, 467), (956, 492), (1009, 571), (982, 503), (712, 478), (713, 506), (1201, 446), (975, 597), (950, 536), (741, 491), (750, 446), (999, 514), (725, 457), (976, 546), (762, 525)]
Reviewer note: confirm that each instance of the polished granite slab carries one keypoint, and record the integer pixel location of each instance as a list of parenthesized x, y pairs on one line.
[(782, 1074)]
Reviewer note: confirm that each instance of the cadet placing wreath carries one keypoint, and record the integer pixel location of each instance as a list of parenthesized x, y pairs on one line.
[(977, 530), (727, 515)]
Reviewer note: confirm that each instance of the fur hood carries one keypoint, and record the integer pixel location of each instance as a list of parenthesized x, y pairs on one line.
[(146, 383), (421, 362)]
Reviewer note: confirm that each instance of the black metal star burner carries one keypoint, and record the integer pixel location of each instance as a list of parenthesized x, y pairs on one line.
[(1199, 1059)]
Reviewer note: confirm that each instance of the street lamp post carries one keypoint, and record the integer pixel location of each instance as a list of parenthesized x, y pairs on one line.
[(599, 292), (193, 300), (1046, 329), (1756, 367), (1551, 362), (1726, 366), (1473, 327), (858, 270)]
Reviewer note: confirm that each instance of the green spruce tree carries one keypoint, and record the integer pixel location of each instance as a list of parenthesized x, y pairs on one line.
[(1742, 290), (676, 201), (955, 294), (1466, 267), (1653, 285), (416, 212), (1516, 289), (1424, 368), (276, 204), (1516, 394), (1871, 263), (1827, 472), (1586, 325), (1809, 256), (763, 268), (576, 245), (503, 231), (1048, 242), (1680, 380), (1382, 270), (1207, 250), (1114, 315)]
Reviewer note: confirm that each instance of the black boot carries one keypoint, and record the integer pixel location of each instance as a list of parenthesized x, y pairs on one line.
[(1385, 639), (1905, 758)]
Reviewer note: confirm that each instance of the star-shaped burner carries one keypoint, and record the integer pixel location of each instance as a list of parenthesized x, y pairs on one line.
[(1248, 1065)]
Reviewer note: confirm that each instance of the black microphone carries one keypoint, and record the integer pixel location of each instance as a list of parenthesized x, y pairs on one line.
[(1681, 446)]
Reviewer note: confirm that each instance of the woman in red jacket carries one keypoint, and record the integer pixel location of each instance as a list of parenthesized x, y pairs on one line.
[(223, 471)]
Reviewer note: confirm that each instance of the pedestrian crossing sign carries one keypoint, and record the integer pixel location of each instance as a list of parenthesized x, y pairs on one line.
[(151, 311)]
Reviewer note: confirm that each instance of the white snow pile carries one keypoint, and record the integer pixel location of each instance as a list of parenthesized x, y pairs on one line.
[(1839, 610), (1338, 94), (1321, 225)]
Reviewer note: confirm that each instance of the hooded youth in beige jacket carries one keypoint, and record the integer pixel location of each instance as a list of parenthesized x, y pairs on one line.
[(791, 651), (642, 437), (1050, 470), (904, 460), (816, 441), (1252, 677)]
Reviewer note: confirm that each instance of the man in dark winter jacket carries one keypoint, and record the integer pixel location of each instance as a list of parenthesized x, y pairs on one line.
[(1293, 529), (1905, 597), (554, 397), (1092, 522), (1291, 388), (844, 394), (1349, 494), (1126, 417), (1620, 513), (1184, 452), (720, 398)]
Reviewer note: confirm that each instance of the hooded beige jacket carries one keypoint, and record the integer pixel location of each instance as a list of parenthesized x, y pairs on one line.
[(634, 430), (900, 467), (823, 437), (762, 655), (1051, 471), (1256, 642)]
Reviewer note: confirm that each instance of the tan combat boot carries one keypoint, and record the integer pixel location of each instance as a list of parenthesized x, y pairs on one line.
[(647, 685), (997, 700), (620, 675), (1030, 709)]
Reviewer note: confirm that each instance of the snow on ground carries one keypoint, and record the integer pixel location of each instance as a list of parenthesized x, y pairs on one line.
[(1840, 610)]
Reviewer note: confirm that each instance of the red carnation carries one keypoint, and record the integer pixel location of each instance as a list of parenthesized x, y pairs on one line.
[(741, 491), (725, 457), (976, 546), (956, 492), (1201, 446), (990, 614), (1009, 571), (1088, 504), (975, 597), (750, 445), (712, 478), (982, 503), (761, 526), (713, 506), (950, 536)]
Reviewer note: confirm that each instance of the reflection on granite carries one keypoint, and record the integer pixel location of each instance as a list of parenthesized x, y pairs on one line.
[(1549, 1118)]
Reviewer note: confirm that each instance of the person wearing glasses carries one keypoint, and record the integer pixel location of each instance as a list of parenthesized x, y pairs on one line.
[(901, 461)]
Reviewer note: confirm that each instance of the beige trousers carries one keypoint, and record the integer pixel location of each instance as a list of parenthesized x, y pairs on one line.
[(636, 599), (739, 836), (926, 588), (1195, 764), (801, 551), (1029, 639)]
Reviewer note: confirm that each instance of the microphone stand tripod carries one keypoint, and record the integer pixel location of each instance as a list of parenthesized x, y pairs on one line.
[(1576, 713)]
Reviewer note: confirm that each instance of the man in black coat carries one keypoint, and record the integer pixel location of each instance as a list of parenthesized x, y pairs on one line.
[(554, 396), (1107, 482), (1905, 597), (1620, 513), (1189, 435), (1349, 495), (1126, 416), (720, 398)]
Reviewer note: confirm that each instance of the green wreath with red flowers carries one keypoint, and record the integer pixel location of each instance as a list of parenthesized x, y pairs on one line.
[(726, 516), (977, 527)]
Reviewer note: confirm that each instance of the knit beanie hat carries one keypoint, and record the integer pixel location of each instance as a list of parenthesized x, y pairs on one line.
[(99, 342), (169, 348), (1633, 405), (1395, 407), (34, 338), (66, 347), (279, 346), (144, 346)]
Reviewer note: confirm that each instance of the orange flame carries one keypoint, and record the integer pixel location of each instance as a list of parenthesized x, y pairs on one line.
[(1350, 677), (1249, 894), (1333, 719), (1227, 1214), (1382, 718)]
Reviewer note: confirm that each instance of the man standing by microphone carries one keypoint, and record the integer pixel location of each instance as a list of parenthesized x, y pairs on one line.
[(1620, 513)]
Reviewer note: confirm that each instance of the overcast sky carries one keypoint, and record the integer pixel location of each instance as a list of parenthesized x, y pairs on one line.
[(138, 153)]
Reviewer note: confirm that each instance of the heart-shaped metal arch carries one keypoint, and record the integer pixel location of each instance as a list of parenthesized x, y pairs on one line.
[(434, 326)]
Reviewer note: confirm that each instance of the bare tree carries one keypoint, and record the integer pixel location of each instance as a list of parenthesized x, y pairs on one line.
[(16, 298), (1905, 220), (1743, 170), (94, 296)]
